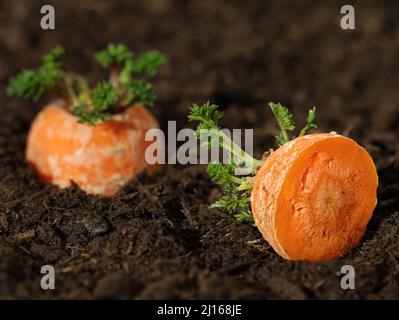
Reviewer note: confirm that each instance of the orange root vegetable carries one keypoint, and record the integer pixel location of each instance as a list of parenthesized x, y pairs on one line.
[(94, 137), (313, 197), (99, 159)]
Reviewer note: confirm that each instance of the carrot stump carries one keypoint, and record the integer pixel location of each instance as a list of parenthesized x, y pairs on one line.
[(100, 159), (94, 136), (313, 197)]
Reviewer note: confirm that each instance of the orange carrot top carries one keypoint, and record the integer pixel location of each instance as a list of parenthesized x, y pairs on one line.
[(92, 105), (311, 198)]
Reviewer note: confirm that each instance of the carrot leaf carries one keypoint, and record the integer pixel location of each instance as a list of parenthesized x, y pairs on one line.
[(236, 197), (148, 63), (88, 115), (53, 59), (92, 104), (26, 85), (285, 120), (124, 70), (245, 216), (141, 92), (31, 84), (114, 54), (235, 203), (103, 96), (309, 121), (208, 129), (207, 115), (223, 174)]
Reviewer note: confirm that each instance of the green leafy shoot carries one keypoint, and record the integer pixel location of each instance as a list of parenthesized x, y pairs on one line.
[(53, 59), (114, 54), (209, 131), (285, 120), (26, 85), (91, 105), (309, 122), (236, 194), (31, 84), (103, 96), (141, 92), (148, 63), (124, 71), (236, 203), (223, 174), (89, 116), (208, 116)]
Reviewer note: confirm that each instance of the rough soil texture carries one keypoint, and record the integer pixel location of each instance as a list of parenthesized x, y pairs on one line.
[(157, 238)]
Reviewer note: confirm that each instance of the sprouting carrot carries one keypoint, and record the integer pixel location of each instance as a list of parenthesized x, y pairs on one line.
[(311, 198), (91, 136)]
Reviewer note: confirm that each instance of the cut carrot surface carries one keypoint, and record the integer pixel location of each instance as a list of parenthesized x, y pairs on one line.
[(100, 159), (314, 196)]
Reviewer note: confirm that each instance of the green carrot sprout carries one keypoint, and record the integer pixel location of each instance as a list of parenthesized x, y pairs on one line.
[(285, 120), (309, 122), (103, 96), (114, 54), (148, 63), (142, 92), (91, 105), (30, 84)]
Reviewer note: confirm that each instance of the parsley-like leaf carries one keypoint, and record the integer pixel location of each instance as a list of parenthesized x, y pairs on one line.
[(103, 96), (142, 92), (92, 105), (223, 174), (309, 121), (285, 120), (31, 84), (208, 115), (236, 203), (148, 63), (236, 196), (114, 54), (89, 116)]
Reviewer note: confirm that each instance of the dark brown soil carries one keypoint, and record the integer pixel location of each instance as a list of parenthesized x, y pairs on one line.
[(157, 238)]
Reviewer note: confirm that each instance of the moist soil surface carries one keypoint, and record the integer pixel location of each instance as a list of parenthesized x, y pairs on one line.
[(158, 238)]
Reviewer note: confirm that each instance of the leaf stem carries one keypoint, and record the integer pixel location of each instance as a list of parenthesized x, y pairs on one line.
[(230, 146)]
